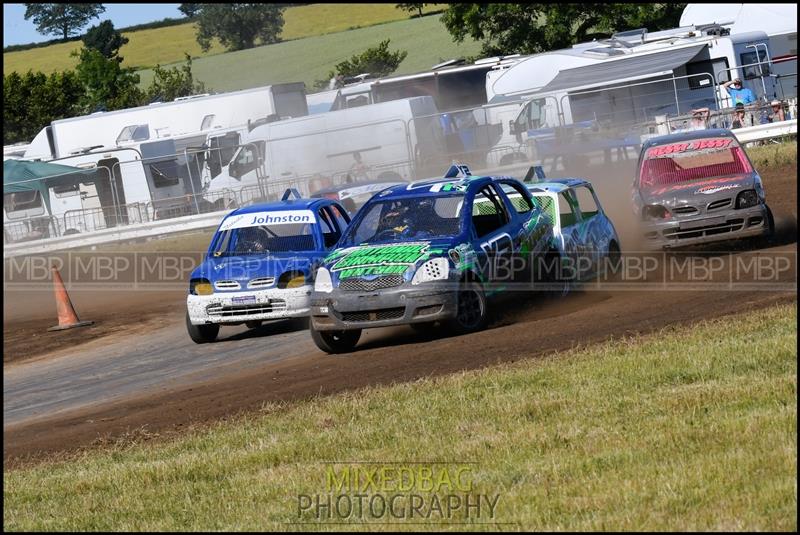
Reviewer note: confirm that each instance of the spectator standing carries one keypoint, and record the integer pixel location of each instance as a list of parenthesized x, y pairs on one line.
[(777, 112), (738, 93)]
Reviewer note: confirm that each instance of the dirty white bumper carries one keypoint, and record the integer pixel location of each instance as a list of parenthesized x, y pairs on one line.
[(238, 307)]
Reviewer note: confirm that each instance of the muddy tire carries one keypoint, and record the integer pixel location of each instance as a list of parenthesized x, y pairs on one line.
[(472, 312), (201, 334), (335, 341)]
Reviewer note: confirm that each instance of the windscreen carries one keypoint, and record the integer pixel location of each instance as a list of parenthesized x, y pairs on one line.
[(692, 160), (266, 232), (408, 218)]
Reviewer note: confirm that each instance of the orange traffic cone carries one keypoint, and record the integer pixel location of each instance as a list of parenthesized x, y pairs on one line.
[(67, 318)]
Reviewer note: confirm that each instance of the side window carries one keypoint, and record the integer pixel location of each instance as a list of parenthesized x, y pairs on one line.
[(329, 227), (566, 211), (519, 198), (247, 160), (488, 212), (586, 202), (340, 216)]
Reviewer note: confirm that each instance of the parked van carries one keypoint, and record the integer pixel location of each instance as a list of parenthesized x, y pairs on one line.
[(394, 138)]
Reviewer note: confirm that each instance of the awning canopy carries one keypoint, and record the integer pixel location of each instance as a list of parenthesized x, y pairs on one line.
[(23, 175), (622, 69)]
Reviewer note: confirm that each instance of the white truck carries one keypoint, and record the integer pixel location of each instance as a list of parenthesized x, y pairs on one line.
[(395, 139)]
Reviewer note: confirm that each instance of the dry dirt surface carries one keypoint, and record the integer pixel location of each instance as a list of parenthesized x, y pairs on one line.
[(520, 330)]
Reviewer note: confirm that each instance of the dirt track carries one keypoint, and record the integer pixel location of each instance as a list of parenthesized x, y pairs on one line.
[(523, 330)]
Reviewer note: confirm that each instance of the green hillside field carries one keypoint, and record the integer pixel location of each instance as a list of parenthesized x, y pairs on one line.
[(147, 48), (306, 60)]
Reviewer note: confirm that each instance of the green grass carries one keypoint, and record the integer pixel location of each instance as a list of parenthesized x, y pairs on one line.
[(774, 154), (310, 59), (687, 429), (147, 48)]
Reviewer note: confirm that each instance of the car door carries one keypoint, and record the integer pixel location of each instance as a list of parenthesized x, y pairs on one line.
[(591, 232), (569, 219), (492, 231)]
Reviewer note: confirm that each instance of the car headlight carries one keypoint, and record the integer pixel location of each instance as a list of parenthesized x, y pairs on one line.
[(655, 211), (200, 287), (432, 270), (746, 199), (323, 282)]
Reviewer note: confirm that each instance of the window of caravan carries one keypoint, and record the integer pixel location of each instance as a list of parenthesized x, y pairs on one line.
[(696, 159), (708, 69), (165, 174), (134, 132), (755, 71), (208, 120), (66, 190), (23, 201)]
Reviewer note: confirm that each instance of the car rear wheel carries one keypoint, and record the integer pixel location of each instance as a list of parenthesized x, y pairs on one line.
[(471, 313), (335, 341), (614, 264), (201, 334)]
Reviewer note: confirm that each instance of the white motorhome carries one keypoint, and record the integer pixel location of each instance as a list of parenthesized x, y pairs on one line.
[(66, 137), (627, 80), (396, 137), (778, 21)]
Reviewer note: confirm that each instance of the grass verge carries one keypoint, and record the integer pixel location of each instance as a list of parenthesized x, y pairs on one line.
[(774, 154), (683, 430)]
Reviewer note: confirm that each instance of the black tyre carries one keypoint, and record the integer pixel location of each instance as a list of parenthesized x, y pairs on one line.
[(201, 334), (770, 223), (472, 314), (335, 341), (614, 261), (426, 328)]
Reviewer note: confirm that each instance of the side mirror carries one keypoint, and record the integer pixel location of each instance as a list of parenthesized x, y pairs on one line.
[(512, 127)]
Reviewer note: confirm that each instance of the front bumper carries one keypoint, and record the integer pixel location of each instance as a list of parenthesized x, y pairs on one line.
[(731, 224), (237, 307), (343, 310)]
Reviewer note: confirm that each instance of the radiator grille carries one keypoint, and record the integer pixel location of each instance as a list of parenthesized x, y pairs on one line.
[(364, 285)]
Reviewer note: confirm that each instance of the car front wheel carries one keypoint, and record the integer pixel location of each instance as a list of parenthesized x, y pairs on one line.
[(471, 313), (201, 334), (335, 341)]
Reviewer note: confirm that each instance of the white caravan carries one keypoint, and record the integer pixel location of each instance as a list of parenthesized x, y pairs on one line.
[(390, 139), (66, 137), (626, 81), (778, 21)]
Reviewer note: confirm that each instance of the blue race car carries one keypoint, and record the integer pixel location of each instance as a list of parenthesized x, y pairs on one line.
[(260, 264), (428, 252), (586, 237)]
